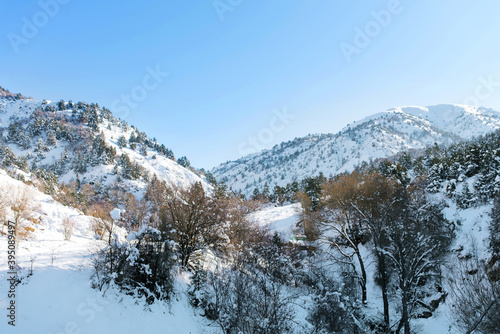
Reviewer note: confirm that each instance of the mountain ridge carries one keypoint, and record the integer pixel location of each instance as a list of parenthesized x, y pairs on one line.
[(377, 136), (85, 143)]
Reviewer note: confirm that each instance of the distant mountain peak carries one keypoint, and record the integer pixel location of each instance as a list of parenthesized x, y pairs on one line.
[(377, 136)]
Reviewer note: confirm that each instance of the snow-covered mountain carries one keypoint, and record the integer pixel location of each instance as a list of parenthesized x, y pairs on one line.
[(377, 136), (84, 142)]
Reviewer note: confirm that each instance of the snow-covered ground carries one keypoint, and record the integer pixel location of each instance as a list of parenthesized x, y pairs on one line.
[(471, 232), (58, 297), (281, 219)]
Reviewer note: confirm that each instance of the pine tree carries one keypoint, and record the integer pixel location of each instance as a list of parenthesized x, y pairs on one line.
[(51, 138), (13, 132), (256, 193), (122, 142), (495, 227), (266, 191), (132, 138), (184, 162), (144, 150), (61, 105), (40, 147), (93, 118)]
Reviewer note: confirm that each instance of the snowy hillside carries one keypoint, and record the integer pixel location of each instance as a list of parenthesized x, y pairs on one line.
[(472, 232), (281, 219), (85, 143), (378, 136), (55, 295)]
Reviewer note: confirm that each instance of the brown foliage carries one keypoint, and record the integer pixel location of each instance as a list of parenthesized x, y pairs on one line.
[(102, 222), (21, 201)]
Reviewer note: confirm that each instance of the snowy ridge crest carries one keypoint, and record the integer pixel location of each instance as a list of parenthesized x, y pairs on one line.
[(378, 136)]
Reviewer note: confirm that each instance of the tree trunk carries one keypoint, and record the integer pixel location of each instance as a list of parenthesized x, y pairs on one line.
[(383, 284), (405, 287), (363, 274), (405, 317)]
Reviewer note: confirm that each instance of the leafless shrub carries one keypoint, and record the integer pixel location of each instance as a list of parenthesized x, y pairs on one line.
[(475, 294), (98, 226), (21, 201), (3, 210), (68, 228), (101, 222)]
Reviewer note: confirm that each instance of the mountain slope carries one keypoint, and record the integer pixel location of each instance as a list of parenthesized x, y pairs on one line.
[(378, 136), (84, 143), (55, 293)]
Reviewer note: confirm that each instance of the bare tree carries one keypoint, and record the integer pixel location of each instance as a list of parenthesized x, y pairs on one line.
[(135, 212), (246, 301), (339, 216), (373, 202), (475, 295), (20, 199), (102, 222), (192, 218), (68, 228), (3, 209), (419, 239)]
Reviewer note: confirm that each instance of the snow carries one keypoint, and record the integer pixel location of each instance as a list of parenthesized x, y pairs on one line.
[(115, 213), (281, 219), (154, 163), (471, 235), (163, 167), (378, 136), (58, 297)]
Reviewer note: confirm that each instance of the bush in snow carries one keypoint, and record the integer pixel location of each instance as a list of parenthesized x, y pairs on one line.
[(68, 225), (336, 307), (22, 204), (243, 300), (475, 294), (141, 266)]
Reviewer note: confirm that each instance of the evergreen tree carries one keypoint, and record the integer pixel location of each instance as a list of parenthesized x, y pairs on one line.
[(211, 178), (122, 142), (266, 191), (495, 227), (40, 147), (132, 138), (256, 193), (61, 105), (13, 132), (144, 150), (93, 118), (51, 138), (184, 162)]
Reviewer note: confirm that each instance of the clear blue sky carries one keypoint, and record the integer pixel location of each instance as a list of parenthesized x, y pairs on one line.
[(230, 67)]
